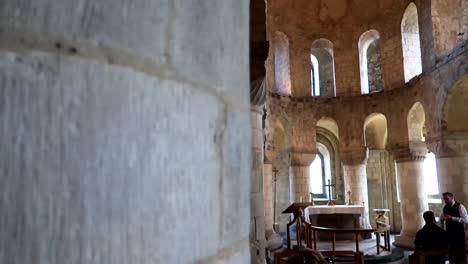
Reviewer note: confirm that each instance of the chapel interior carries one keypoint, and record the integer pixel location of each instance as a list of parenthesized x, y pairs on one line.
[(228, 131)]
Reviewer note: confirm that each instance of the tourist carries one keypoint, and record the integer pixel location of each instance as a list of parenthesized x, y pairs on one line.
[(431, 237), (455, 217)]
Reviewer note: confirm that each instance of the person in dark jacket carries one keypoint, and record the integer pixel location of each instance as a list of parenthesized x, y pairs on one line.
[(455, 217), (431, 237)]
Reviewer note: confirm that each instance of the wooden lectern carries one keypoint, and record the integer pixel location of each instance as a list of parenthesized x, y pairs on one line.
[(297, 209)]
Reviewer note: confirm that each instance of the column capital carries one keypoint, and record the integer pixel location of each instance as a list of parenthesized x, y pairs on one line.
[(353, 156), (302, 158), (417, 151)]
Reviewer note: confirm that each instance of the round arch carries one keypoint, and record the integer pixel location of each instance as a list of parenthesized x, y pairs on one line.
[(411, 42), (322, 50), (368, 38), (375, 131), (416, 123), (329, 124)]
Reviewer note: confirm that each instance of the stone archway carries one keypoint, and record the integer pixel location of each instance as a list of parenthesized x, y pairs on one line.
[(370, 62), (411, 43)]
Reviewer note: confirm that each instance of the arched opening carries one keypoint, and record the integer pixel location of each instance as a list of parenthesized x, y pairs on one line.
[(330, 125), (370, 60), (411, 43), (416, 121), (456, 108), (315, 75), (380, 167), (327, 142), (320, 172), (322, 52), (450, 24), (452, 168), (282, 64), (375, 131)]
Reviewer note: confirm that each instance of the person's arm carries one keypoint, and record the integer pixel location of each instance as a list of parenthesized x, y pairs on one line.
[(463, 215)]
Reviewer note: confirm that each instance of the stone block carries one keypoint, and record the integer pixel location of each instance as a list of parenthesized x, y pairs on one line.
[(137, 27), (97, 159), (202, 48)]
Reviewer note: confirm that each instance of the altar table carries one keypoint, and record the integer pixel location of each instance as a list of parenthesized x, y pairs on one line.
[(337, 216)]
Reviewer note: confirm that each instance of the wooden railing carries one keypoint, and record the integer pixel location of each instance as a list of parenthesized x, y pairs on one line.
[(311, 235), (308, 233)]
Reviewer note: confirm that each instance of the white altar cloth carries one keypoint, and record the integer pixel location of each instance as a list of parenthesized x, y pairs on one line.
[(336, 209)]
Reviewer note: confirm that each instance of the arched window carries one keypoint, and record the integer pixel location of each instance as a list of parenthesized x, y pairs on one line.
[(320, 173), (370, 62), (323, 71), (411, 43), (315, 75), (317, 175), (282, 71)]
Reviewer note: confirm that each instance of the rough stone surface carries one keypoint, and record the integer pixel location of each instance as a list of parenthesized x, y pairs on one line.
[(355, 180), (120, 139), (374, 67)]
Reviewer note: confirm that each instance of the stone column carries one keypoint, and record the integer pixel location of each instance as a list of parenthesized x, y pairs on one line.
[(257, 215), (413, 198), (125, 132), (355, 179), (268, 196), (273, 238), (299, 176)]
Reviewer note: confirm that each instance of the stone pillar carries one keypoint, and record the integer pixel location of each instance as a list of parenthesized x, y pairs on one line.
[(355, 179), (125, 132), (257, 215), (299, 177), (273, 238), (413, 198), (268, 196)]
